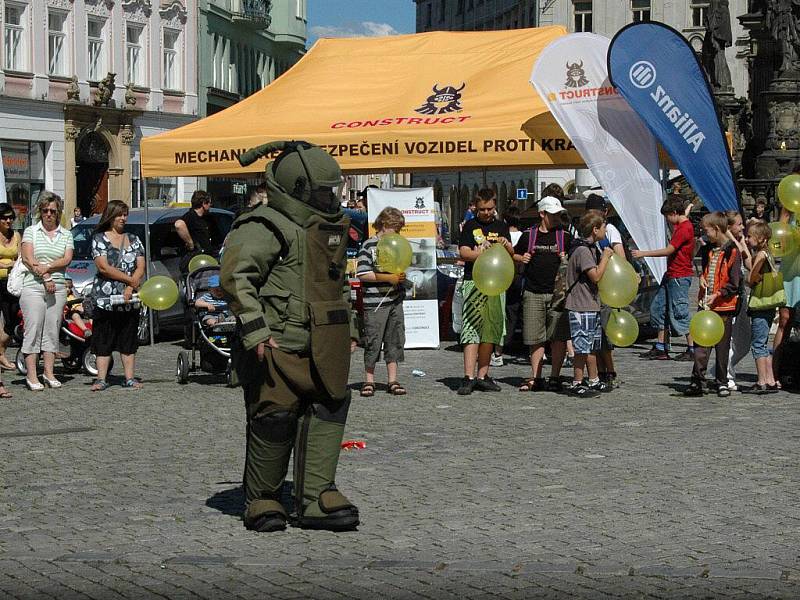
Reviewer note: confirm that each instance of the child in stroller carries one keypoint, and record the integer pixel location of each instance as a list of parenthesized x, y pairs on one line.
[(75, 320), (212, 326)]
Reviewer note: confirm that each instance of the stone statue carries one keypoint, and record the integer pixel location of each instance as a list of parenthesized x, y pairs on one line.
[(782, 21), (718, 37), (73, 91), (130, 97), (105, 89)]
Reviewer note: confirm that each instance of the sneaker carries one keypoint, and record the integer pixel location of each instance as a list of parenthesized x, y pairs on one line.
[(554, 384), (732, 386), (496, 360), (487, 384), (685, 356), (610, 378), (723, 392), (695, 390), (660, 355), (601, 387), (582, 391), (466, 387)]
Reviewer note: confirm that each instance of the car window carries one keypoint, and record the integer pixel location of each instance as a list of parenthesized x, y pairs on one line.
[(164, 236), (82, 235)]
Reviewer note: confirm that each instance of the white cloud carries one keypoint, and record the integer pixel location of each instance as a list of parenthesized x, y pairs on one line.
[(363, 29)]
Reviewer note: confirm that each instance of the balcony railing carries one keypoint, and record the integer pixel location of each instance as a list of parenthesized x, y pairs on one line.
[(252, 12)]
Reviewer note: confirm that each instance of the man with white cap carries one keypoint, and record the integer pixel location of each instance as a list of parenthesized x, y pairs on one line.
[(543, 249)]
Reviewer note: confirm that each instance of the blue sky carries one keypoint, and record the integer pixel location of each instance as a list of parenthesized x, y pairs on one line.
[(352, 18)]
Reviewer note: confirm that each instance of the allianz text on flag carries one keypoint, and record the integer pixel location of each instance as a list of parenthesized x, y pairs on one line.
[(572, 79), (658, 73)]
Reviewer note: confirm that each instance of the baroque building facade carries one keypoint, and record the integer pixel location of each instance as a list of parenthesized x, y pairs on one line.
[(82, 82), (604, 17)]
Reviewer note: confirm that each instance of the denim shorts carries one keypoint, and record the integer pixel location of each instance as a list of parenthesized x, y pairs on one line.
[(585, 330), (678, 289), (760, 322)]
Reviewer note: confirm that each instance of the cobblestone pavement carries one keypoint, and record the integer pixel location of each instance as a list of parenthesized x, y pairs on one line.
[(639, 493)]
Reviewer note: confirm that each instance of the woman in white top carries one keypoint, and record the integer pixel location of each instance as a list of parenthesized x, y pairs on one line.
[(46, 251)]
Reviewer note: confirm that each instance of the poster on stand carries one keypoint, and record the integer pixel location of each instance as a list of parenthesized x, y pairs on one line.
[(421, 306)]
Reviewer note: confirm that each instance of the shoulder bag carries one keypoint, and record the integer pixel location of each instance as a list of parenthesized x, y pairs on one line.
[(768, 293), (16, 277)]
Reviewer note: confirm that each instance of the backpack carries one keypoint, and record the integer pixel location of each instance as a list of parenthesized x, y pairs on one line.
[(560, 283)]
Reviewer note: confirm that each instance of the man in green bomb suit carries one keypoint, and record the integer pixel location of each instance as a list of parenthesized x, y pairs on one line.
[(284, 269)]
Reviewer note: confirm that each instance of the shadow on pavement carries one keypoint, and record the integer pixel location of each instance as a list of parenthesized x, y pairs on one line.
[(231, 501), (451, 382)]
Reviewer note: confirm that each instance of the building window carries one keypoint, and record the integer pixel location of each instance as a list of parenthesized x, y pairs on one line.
[(698, 10), (172, 67), (14, 37), (97, 57), (583, 16), (134, 55), (641, 10), (57, 46)]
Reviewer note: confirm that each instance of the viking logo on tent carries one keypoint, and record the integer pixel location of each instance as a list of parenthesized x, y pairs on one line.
[(576, 76), (444, 100)]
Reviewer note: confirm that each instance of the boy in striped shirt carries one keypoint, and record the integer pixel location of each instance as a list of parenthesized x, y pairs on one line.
[(383, 306)]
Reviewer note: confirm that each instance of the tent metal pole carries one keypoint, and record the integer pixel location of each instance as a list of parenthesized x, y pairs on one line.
[(143, 198)]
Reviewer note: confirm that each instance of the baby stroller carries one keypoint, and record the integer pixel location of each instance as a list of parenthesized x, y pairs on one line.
[(212, 343), (75, 350)]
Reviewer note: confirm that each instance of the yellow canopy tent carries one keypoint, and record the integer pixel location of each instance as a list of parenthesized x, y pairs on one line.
[(439, 100)]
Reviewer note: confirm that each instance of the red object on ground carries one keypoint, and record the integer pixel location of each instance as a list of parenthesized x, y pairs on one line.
[(354, 445)]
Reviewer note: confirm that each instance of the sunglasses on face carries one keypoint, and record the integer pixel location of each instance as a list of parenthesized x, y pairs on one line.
[(7, 218), (49, 211)]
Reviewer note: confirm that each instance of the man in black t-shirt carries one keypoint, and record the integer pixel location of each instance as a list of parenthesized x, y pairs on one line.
[(197, 229), (483, 317), (543, 250)]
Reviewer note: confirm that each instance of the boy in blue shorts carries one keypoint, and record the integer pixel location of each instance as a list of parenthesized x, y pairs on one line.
[(583, 303)]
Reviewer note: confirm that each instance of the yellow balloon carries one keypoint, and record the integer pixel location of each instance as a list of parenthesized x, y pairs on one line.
[(619, 284), (622, 328), (394, 253), (159, 293), (789, 192), (202, 260), (706, 328), (493, 272), (783, 240)]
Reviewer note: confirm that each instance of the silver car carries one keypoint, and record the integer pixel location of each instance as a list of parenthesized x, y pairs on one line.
[(165, 254)]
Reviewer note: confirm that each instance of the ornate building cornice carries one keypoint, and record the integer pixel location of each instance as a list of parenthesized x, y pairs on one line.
[(143, 6), (173, 11)]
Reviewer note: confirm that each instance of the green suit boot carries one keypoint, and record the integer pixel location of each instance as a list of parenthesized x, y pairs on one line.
[(319, 504), (269, 447)]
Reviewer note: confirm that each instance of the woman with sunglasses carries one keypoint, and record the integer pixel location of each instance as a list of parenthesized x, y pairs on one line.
[(46, 251), (9, 304)]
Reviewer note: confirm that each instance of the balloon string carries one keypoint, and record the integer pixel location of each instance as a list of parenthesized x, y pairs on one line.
[(383, 300)]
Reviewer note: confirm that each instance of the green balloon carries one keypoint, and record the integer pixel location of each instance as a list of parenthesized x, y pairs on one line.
[(783, 240), (202, 260), (622, 328), (159, 293), (619, 284), (493, 272), (394, 253), (706, 328), (789, 192)]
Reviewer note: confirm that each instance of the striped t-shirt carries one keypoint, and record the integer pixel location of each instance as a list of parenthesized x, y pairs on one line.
[(375, 291), (47, 250)]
